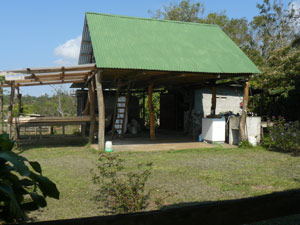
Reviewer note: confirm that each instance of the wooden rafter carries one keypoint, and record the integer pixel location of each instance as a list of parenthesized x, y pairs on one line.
[(83, 67), (34, 76), (62, 77), (50, 75)]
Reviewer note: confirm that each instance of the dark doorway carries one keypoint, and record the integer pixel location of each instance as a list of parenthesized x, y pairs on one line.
[(171, 111)]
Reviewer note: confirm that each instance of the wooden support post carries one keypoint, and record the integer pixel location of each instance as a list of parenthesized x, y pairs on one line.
[(243, 136), (51, 131), (213, 100), (63, 130), (20, 108), (87, 106), (40, 130), (151, 111), (20, 111), (101, 112), (10, 109), (144, 111), (91, 90)]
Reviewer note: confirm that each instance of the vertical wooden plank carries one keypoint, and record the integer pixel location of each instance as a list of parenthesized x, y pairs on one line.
[(91, 90), (19, 96), (144, 111), (20, 108), (151, 111), (243, 135), (40, 131), (213, 100), (10, 109), (101, 110)]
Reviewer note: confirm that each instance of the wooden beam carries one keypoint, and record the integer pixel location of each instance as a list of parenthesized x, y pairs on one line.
[(243, 135), (58, 75), (49, 83), (10, 109), (151, 111), (213, 100), (91, 90), (62, 77), (86, 108), (144, 110), (101, 109), (83, 67), (20, 111), (92, 75), (33, 75)]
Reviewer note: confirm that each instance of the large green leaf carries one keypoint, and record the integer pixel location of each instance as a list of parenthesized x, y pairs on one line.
[(38, 199), (14, 209), (26, 182), (17, 161), (47, 187), (36, 166)]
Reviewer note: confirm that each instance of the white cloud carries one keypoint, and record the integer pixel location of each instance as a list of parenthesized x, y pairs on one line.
[(68, 52)]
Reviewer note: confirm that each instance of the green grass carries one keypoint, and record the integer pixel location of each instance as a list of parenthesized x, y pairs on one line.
[(189, 175)]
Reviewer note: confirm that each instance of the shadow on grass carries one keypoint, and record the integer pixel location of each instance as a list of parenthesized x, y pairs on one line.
[(277, 208), (27, 144)]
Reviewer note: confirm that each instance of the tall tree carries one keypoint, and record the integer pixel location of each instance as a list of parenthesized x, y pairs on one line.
[(186, 11), (273, 27)]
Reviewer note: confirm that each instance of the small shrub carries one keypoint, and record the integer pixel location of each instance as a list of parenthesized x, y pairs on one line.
[(245, 144), (22, 186), (284, 136), (121, 192)]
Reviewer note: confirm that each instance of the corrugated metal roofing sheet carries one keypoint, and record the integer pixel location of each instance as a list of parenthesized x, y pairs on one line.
[(149, 44)]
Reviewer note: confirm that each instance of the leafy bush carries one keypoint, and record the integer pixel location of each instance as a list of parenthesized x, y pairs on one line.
[(121, 192), (245, 144), (284, 136), (22, 188)]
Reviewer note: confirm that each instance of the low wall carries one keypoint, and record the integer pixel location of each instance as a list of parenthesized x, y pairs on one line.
[(232, 212)]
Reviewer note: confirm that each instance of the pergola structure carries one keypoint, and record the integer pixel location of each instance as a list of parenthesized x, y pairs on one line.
[(15, 79)]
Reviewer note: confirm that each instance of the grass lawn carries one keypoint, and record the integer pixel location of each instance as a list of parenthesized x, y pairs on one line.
[(189, 175)]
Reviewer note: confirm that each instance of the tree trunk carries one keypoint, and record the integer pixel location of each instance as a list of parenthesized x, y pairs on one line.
[(91, 90), (101, 112), (243, 135), (213, 101), (10, 109), (151, 111)]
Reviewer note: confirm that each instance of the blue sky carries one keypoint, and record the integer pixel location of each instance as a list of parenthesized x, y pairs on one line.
[(33, 30)]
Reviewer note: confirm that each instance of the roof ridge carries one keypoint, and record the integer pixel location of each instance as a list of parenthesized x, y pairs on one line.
[(151, 19)]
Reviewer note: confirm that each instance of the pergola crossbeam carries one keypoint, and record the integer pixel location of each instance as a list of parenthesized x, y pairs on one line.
[(84, 67), (49, 75)]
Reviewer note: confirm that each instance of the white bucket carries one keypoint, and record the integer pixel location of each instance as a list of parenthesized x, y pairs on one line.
[(252, 140), (108, 146)]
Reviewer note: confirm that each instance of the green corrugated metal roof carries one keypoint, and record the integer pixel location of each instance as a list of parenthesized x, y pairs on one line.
[(149, 44)]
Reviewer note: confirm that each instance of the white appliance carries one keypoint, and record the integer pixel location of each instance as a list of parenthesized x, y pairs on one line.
[(213, 130)]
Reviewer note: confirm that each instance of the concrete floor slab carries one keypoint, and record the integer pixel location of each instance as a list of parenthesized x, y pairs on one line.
[(163, 142)]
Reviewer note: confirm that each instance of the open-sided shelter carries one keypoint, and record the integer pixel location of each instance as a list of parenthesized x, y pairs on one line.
[(137, 53)]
